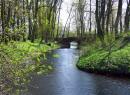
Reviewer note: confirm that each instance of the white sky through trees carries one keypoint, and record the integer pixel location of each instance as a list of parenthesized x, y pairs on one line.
[(66, 5)]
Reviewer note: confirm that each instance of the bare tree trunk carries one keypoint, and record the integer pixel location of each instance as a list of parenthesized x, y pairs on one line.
[(127, 18), (98, 20), (90, 28), (109, 11), (118, 17), (33, 37), (102, 14)]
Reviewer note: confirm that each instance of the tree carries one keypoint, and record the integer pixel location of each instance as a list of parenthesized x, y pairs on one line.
[(118, 17), (127, 17), (100, 32)]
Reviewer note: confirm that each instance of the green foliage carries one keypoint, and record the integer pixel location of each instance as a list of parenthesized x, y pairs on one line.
[(116, 62), (19, 60)]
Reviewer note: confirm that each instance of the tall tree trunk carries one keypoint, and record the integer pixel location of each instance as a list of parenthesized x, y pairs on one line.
[(98, 21), (102, 14), (127, 18), (90, 28), (29, 19), (118, 17), (109, 11), (35, 21)]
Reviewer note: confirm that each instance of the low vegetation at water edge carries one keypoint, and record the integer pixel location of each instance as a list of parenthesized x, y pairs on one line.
[(102, 61), (18, 60)]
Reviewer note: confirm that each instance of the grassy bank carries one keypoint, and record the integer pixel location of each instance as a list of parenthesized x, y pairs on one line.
[(102, 61), (18, 60)]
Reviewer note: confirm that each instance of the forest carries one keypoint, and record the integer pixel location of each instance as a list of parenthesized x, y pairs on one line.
[(32, 31)]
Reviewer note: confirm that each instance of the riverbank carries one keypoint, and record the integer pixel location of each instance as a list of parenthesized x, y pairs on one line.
[(116, 62), (19, 60)]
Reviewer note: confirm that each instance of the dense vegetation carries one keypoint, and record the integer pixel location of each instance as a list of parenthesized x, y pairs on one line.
[(110, 60), (18, 61)]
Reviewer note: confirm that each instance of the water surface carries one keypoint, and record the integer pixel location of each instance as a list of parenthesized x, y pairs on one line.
[(68, 80)]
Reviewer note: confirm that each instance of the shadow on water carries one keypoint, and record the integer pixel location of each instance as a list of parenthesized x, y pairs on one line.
[(66, 79)]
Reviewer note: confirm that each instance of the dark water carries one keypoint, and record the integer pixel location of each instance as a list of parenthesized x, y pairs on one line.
[(68, 80)]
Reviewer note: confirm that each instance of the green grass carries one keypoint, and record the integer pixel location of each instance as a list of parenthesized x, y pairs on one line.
[(14, 68), (118, 62)]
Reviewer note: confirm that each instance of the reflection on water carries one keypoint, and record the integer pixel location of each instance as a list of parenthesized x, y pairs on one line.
[(68, 80)]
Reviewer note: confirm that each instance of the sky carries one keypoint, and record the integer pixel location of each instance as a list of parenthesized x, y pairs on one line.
[(66, 5)]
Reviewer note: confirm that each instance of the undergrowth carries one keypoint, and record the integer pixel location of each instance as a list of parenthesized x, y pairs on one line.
[(18, 60)]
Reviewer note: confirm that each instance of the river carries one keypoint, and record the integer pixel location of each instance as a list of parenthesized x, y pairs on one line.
[(66, 79)]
